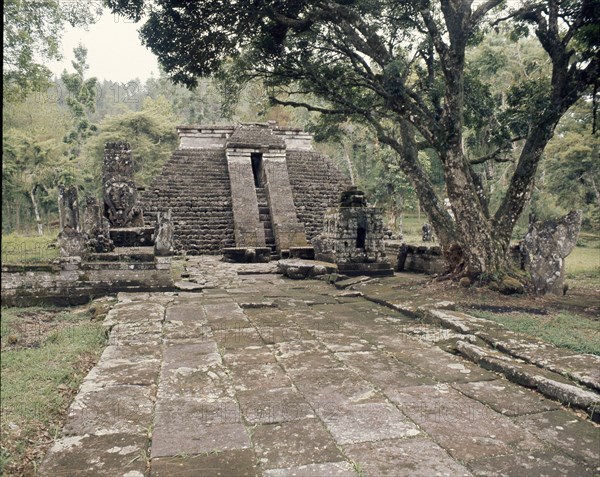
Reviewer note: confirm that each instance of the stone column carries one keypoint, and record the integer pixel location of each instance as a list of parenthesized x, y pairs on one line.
[(248, 229), (287, 229), (70, 239)]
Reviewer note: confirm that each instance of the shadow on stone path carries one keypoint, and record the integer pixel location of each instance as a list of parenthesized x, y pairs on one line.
[(268, 376)]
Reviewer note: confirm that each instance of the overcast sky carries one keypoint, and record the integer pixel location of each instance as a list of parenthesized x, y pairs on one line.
[(115, 51)]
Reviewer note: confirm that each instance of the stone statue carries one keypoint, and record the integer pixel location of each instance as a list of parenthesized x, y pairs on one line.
[(70, 239), (96, 227), (120, 192), (426, 229), (545, 248), (163, 234)]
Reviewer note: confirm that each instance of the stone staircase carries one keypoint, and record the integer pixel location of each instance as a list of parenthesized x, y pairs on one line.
[(317, 185), (195, 185), (265, 218)]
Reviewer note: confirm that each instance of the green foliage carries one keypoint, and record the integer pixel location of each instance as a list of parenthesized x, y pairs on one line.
[(81, 102), (32, 31), (33, 162), (573, 165), (151, 133)]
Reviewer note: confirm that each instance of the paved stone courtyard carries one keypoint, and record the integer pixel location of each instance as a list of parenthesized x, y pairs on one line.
[(261, 375)]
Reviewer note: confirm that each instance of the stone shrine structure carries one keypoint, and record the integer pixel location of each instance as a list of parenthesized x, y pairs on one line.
[(250, 190), (353, 237)]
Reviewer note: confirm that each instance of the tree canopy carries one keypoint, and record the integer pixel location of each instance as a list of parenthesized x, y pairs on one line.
[(32, 32), (400, 67)]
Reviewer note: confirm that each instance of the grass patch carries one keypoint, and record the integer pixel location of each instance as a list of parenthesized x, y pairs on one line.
[(564, 329), (29, 248), (46, 353), (583, 260), (412, 232), (583, 267)]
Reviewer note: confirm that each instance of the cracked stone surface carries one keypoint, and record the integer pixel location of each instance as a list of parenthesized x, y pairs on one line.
[(257, 375)]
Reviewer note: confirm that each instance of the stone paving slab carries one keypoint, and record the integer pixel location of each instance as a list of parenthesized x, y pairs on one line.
[(187, 311), (443, 366), (506, 398), (467, 429), (333, 386), (383, 370), (530, 464), (368, 422), (106, 455), (294, 443), (114, 409), (313, 385), (331, 469), (134, 365), (575, 437), (259, 376), (248, 356), (417, 457), (217, 464), (189, 426), (270, 406)]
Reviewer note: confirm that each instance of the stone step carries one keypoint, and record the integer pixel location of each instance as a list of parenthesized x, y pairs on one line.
[(133, 254)]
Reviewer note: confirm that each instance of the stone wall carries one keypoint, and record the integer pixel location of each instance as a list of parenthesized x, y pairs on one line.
[(316, 185), (420, 259), (429, 260), (216, 136), (72, 282)]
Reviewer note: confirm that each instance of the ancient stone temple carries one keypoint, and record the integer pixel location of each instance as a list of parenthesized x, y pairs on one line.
[(353, 237), (250, 186)]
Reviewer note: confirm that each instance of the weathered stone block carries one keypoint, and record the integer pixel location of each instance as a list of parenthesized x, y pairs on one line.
[(545, 246)]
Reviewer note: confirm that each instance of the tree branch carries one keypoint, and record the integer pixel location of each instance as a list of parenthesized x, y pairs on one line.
[(494, 155), (482, 10)]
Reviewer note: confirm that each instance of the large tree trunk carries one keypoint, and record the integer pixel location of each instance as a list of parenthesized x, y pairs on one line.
[(442, 223), (36, 211)]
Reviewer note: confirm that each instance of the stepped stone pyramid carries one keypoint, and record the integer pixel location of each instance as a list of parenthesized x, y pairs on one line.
[(244, 185)]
